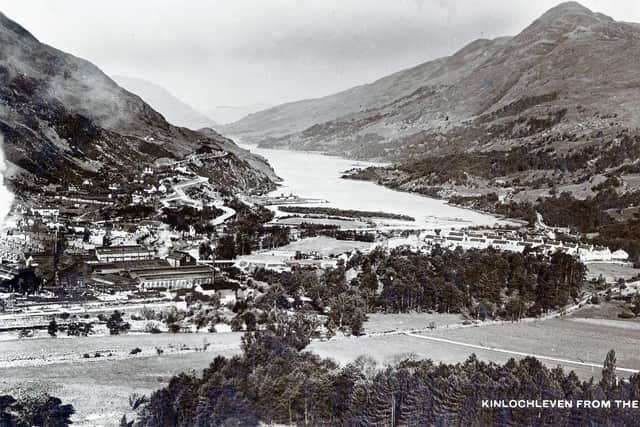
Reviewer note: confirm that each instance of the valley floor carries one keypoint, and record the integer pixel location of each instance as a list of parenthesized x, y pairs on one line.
[(573, 344), (99, 388)]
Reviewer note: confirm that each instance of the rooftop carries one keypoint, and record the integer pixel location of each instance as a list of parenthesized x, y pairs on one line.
[(107, 250)]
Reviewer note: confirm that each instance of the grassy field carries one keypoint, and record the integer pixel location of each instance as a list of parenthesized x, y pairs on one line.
[(99, 388), (608, 310), (325, 246), (40, 351), (565, 339), (611, 271), (381, 322)]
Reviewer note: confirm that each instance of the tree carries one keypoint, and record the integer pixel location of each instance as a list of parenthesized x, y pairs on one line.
[(204, 251), (250, 320), (52, 329), (609, 379), (124, 422), (226, 248), (635, 308), (44, 410), (116, 324), (79, 329)]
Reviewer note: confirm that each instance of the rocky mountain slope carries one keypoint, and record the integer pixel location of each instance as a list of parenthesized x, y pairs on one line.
[(570, 71), (173, 109), (63, 120)]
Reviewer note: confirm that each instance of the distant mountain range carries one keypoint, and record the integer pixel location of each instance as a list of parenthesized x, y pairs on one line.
[(173, 109), (225, 114), (572, 71), (63, 120)]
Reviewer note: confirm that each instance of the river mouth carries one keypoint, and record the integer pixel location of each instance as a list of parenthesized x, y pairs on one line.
[(310, 175)]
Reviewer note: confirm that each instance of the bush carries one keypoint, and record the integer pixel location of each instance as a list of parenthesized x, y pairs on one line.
[(24, 333), (625, 314), (152, 328), (174, 328)]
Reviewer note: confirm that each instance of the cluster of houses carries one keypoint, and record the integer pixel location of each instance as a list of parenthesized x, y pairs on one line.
[(508, 240)]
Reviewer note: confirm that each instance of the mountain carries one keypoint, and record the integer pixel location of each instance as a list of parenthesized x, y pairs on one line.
[(174, 110), (64, 120), (570, 71), (229, 113)]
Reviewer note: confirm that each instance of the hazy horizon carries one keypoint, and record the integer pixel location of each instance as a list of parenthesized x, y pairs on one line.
[(246, 52)]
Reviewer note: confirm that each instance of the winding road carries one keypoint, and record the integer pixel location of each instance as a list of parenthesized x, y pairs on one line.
[(180, 194)]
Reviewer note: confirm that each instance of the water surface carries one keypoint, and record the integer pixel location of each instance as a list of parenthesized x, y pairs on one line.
[(312, 175)]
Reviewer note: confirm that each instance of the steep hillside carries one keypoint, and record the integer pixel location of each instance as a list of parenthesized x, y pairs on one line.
[(229, 113), (64, 120), (570, 71), (297, 116), (173, 109)]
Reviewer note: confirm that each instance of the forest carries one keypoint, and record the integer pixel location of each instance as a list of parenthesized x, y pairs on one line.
[(275, 381), (480, 284)]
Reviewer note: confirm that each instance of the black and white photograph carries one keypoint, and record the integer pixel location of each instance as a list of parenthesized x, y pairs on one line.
[(253, 213)]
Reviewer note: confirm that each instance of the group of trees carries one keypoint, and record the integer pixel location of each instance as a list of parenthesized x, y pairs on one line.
[(116, 324), (25, 282), (276, 381), (329, 230), (73, 328), (184, 216), (482, 283), (28, 411), (248, 233)]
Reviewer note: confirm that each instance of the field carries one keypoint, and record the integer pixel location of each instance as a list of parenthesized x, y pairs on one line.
[(325, 246), (611, 271), (99, 388), (575, 341), (608, 310), (381, 322)]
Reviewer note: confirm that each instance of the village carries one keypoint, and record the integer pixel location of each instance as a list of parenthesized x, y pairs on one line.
[(163, 238)]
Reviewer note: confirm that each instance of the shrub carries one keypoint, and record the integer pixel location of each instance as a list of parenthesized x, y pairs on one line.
[(152, 328)]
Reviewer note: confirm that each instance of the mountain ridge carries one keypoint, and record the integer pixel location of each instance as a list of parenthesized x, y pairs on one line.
[(567, 51), (64, 120), (175, 111)]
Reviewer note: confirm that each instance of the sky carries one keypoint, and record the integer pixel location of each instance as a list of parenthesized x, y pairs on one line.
[(242, 52)]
